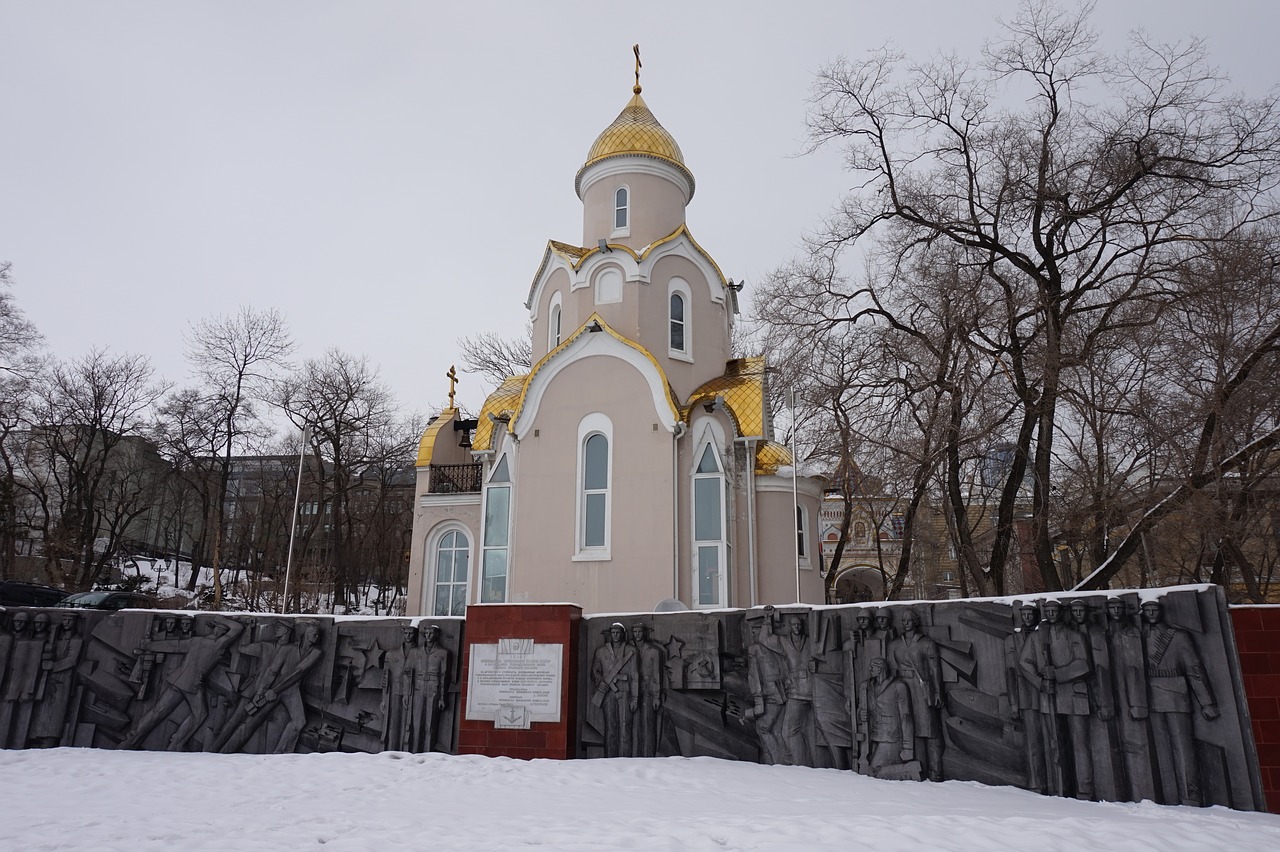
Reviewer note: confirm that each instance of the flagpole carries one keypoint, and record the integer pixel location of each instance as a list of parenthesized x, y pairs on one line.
[(795, 487), (293, 522)]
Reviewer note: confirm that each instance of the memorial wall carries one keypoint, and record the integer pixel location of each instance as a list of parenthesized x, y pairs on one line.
[(1124, 697), (227, 683)]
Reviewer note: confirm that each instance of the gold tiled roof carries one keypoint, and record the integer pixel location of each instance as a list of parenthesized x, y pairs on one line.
[(427, 445), (770, 456), (742, 387), (577, 255), (635, 132), (503, 401)]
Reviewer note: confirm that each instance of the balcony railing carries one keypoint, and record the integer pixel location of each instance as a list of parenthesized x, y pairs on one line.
[(454, 479)]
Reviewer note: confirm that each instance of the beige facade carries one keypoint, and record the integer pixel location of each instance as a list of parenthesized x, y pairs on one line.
[(634, 464)]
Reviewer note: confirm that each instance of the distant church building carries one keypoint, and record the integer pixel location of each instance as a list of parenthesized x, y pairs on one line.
[(634, 463)]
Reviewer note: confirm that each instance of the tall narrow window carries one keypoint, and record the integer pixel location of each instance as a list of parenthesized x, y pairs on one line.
[(451, 557), (708, 529), (553, 323), (595, 491), (802, 543), (679, 317), (497, 532), (677, 322), (620, 208)]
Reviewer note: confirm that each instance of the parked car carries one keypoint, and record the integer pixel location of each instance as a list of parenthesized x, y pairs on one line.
[(109, 600), (18, 593)]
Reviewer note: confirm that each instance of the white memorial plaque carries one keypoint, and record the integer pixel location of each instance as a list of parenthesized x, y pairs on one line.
[(515, 672)]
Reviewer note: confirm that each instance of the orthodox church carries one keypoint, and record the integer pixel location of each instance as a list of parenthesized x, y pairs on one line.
[(633, 466)]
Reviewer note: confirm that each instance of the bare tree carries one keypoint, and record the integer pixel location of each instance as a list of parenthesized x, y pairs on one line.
[(19, 362), (496, 357), (1070, 190), (236, 357), (87, 465), (344, 406)]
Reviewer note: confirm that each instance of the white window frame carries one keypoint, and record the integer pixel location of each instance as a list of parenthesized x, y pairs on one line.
[(505, 546), (802, 536), (593, 424), (710, 437), (623, 230), (555, 314), (430, 584), (678, 286)]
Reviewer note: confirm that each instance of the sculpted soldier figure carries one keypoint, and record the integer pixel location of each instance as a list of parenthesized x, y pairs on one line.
[(1124, 646), (1057, 661), (767, 680), (1101, 686), (397, 690), (431, 684), (58, 660), (651, 693), (883, 626), (1024, 695), (276, 683), (890, 724), (913, 658), (799, 665), (25, 679), (857, 670), (617, 690), (185, 682), (1174, 674)]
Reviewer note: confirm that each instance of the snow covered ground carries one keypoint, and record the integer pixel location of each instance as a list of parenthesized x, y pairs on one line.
[(64, 799)]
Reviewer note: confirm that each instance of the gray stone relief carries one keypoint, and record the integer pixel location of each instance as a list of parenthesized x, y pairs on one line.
[(1102, 698), (226, 683)]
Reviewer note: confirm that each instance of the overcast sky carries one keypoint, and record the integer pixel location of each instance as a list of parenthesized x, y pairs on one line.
[(388, 173)]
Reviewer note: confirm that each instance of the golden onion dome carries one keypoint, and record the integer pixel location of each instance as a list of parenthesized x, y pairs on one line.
[(636, 133)]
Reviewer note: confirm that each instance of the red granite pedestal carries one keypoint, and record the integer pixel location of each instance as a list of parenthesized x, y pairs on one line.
[(544, 624)]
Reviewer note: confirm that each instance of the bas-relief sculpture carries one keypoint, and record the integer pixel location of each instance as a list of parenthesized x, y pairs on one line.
[(226, 683), (1120, 698)]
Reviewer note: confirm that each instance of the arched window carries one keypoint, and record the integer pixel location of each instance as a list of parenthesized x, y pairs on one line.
[(553, 323), (497, 533), (595, 490), (708, 528), (677, 322), (452, 558), (621, 208), (595, 479), (678, 327)]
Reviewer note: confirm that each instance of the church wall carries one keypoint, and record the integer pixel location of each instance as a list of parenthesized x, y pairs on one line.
[(657, 209), (570, 315), (706, 318), (776, 566), (427, 523), (543, 537)]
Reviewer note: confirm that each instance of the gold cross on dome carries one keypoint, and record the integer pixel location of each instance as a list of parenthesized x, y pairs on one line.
[(635, 48), (452, 376)]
